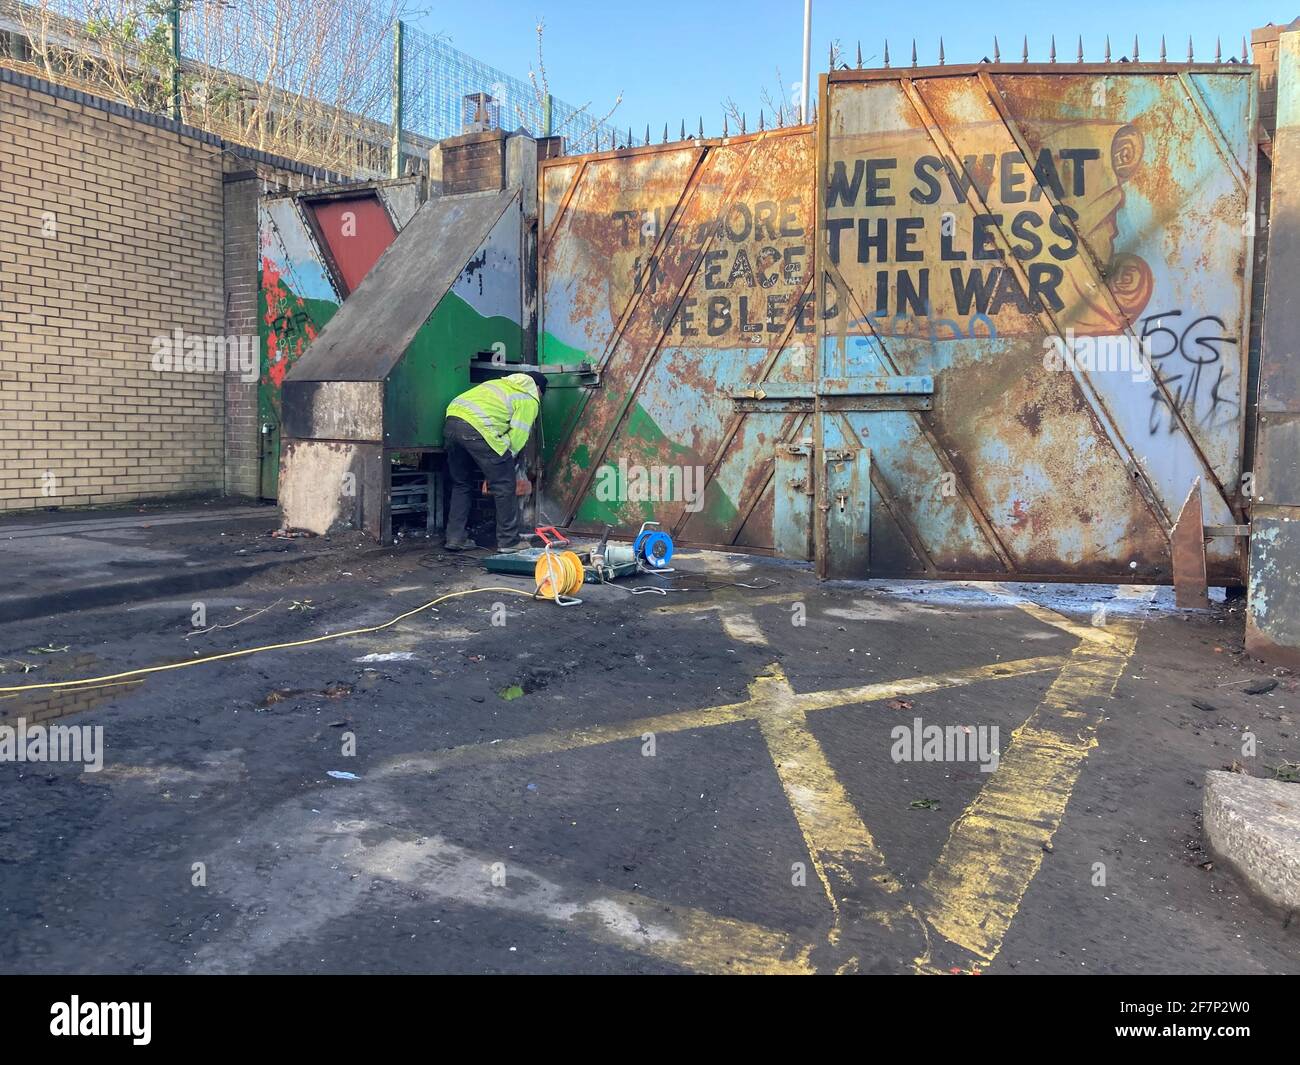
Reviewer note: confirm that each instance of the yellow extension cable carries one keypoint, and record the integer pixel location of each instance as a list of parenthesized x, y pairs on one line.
[(266, 647)]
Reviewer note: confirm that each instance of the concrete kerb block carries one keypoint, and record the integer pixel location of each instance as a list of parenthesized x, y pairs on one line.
[(1254, 824)]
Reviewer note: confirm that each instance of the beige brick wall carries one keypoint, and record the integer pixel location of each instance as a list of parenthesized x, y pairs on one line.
[(111, 233)]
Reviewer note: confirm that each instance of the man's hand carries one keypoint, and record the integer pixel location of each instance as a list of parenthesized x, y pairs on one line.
[(523, 487)]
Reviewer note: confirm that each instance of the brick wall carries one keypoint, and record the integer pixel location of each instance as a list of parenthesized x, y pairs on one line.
[(110, 236), (117, 228)]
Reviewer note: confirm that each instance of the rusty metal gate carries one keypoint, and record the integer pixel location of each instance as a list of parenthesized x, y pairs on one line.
[(682, 274), (1047, 272), (1024, 343)]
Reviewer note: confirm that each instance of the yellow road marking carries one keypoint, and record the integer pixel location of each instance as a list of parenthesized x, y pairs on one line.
[(995, 849), (681, 935), (840, 844), (727, 713), (723, 602), (740, 625)]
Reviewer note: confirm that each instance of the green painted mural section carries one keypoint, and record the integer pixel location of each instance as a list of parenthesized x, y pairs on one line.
[(562, 401), (437, 365), (642, 441)]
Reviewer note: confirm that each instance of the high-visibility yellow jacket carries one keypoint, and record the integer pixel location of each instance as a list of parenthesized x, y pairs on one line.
[(503, 411)]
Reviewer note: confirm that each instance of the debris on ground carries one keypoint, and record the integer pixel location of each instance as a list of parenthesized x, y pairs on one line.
[(278, 695)]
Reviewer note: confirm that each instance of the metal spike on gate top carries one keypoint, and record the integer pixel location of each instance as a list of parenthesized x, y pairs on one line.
[(940, 51), (760, 119), (665, 132), (1108, 48), (629, 136), (683, 136), (701, 127), (859, 55), (832, 58), (1218, 50), (913, 51), (647, 133), (1190, 57), (1136, 57), (742, 121), (1024, 54), (1079, 58), (1051, 55), (886, 53), (1245, 55), (1162, 49), (997, 56)]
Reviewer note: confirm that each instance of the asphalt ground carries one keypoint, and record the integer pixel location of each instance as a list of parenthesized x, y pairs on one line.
[(704, 781)]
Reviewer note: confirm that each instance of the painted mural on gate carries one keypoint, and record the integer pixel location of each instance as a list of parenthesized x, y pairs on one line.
[(683, 274), (1068, 254)]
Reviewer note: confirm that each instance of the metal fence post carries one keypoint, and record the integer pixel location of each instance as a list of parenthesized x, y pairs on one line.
[(546, 115), (174, 39), (395, 164)]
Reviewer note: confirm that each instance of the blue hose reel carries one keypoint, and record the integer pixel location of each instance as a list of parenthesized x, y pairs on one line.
[(653, 547)]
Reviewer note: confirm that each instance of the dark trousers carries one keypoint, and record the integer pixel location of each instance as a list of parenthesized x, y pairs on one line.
[(470, 459)]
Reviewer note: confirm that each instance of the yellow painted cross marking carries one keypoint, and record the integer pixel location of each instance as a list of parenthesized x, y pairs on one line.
[(993, 852), (996, 847)]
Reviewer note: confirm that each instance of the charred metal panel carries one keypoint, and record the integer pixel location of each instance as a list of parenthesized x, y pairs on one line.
[(335, 410), (1064, 251), (682, 273)]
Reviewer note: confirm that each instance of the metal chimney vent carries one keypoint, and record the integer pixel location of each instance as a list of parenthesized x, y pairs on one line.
[(479, 113)]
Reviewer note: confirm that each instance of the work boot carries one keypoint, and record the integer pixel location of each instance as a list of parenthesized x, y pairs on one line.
[(457, 545), (510, 549)]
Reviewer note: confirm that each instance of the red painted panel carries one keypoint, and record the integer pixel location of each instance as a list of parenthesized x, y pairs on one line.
[(357, 231)]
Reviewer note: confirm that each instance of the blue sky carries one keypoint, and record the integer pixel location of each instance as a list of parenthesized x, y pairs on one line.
[(676, 59)]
